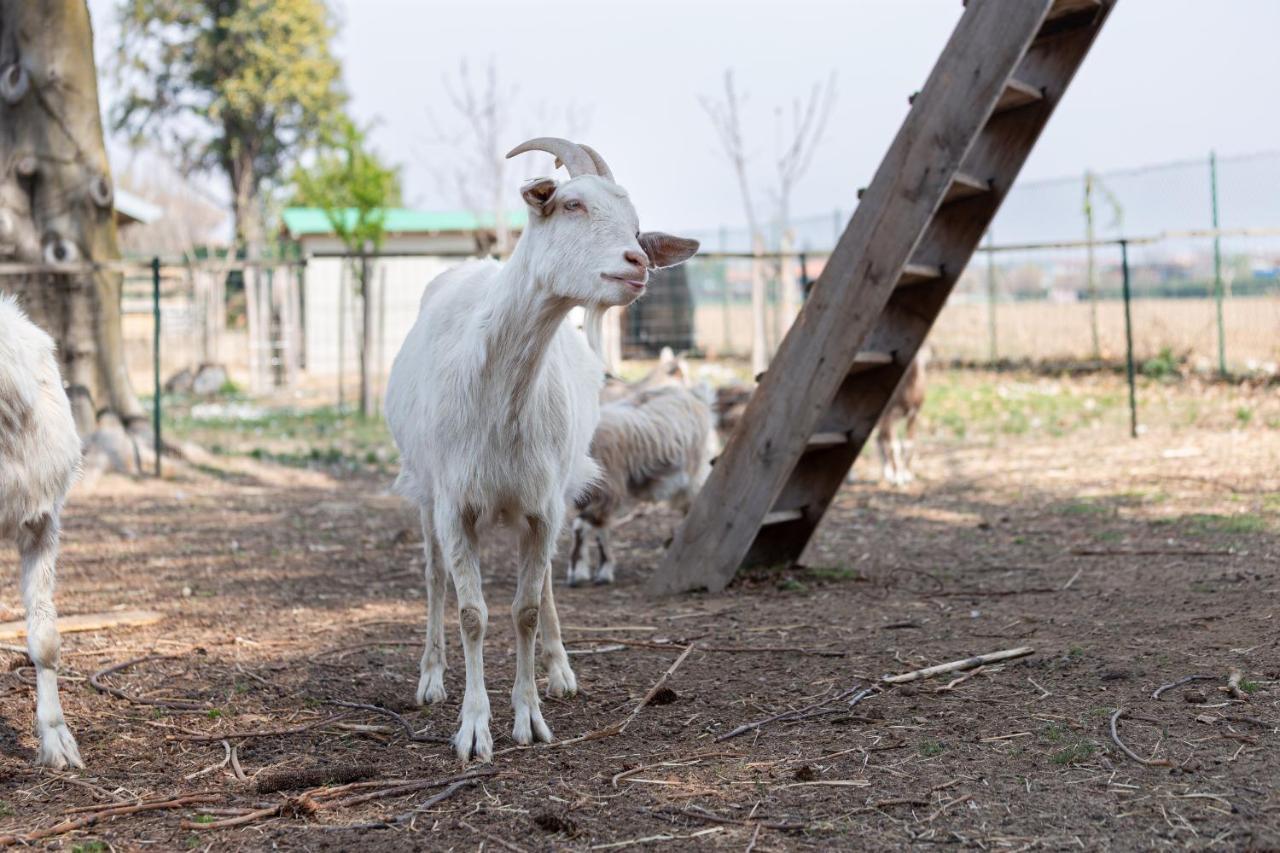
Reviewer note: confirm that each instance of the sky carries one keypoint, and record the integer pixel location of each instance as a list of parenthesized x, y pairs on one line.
[(1166, 80)]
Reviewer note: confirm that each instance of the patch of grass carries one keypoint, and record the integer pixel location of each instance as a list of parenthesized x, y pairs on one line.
[(1244, 414), (791, 585), (6, 810), (1250, 686), (1204, 523), (1055, 733), (1203, 587), (1087, 506), (1108, 536), (94, 846), (213, 713), (1164, 366), (1076, 753), (204, 818), (929, 748), (834, 574)]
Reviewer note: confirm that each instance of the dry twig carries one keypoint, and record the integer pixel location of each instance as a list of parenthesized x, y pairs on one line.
[(175, 705), (967, 663), (408, 729), (1181, 681), (653, 691), (111, 811), (1115, 736)]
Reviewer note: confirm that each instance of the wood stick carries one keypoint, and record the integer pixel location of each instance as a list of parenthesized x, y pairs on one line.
[(407, 788), (176, 705), (653, 691), (967, 663), (1115, 736), (87, 622), (114, 811), (243, 735), (1181, 681), (798, 713), (408, 729)]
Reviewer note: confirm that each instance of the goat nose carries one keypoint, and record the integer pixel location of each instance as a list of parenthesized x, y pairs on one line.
[(637, 259)]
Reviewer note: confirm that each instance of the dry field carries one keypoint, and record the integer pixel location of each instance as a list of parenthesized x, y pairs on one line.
[(289, 582)]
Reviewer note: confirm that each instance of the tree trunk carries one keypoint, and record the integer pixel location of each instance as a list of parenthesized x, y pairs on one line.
[(366, 337), (56, 199)]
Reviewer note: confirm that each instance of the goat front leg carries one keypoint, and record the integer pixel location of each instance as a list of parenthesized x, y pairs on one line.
[(884, 442), (431, 668), (561, 681), (457, 536), (579, 562), (38, 545), (537, 546)]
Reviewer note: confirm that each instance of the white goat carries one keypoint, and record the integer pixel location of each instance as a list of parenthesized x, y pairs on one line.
[(908, 399), (39, 460), (493, 400), (651, 446)]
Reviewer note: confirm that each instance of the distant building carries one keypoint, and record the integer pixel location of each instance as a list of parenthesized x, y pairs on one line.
[(419, 246)]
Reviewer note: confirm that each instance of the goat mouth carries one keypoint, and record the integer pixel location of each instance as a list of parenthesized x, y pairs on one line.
[(635, 284)]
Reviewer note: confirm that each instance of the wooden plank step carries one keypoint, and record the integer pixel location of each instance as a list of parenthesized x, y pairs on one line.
[(782, 516), (87, 622), (965, 186), (919, 274), (866, 360), (824, 440), (1065, 8), (1017, 94)]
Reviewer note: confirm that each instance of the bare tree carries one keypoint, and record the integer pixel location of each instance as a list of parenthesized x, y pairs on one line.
[(479, 141), (56, 198), (793, 160)]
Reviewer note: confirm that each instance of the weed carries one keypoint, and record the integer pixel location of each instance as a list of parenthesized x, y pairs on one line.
[(1075, 753), (791, 585), (930, 748), (1203, 523), (1244, 414), (1250, 686), (6, 810), (213, 713), (94, 846)]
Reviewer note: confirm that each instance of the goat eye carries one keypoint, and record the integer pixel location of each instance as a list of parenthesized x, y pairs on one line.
[(573, 204)]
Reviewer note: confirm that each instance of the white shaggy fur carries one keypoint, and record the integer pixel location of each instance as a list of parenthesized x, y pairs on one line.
[(39, 460), (651, 446), (492, 401)]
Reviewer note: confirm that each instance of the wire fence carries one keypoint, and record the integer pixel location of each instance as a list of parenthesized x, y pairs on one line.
[(1045, 287)]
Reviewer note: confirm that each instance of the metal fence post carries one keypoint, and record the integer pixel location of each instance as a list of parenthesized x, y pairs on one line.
[(155, 357), (994, 354), (1128, 340), (1217, 264)]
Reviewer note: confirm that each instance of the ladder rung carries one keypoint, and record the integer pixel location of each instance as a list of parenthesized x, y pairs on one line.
[(782, 516), (1063, 8), (919, 273), (868, 360), (965, 186), (1017, 94), (823, 440)]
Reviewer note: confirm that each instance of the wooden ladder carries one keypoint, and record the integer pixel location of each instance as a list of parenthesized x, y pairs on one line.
[(967, 135)]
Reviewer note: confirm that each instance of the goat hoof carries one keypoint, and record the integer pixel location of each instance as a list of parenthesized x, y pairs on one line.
[(561, 682), (430, 688), (529, 725), (58, 749), (473, 740)]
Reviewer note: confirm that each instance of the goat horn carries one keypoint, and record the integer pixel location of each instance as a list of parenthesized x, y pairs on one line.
[(602, 168), (576, 160)]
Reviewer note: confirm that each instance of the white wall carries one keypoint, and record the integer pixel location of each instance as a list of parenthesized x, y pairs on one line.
[(397, 282)]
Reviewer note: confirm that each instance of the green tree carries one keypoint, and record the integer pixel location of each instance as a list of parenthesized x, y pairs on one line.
[(237, 86), (354, 188)]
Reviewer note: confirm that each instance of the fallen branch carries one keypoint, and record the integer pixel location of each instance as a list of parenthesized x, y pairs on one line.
[(113, 811), (699, 813), (653, 691), (954, 666), (272, 781), (244, 735), (798, 713), (1233, 685), (1115, 736), (96, 681), (408, 788), (408, 729), (1181, 681), (87, 622)]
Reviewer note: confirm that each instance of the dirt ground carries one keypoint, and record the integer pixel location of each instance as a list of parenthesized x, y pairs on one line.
[(1124, 564)]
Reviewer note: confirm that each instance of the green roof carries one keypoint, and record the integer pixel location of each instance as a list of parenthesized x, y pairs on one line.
[(304, 221)]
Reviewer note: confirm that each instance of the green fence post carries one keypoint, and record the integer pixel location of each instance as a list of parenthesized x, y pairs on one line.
[(1128, 340), (155, 357), (1217, 264)]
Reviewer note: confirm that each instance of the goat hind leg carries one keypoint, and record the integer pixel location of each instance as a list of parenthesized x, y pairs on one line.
[(604, 574), (579, 561), (561, 681), (537, 545), (38, 545), (431, 668)]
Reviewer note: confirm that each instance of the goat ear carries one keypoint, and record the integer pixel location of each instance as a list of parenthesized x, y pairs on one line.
[(538, 194), (666, 250)]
